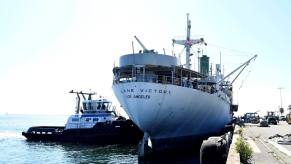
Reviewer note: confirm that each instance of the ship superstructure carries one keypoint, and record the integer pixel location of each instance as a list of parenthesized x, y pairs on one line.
[(90, 112)]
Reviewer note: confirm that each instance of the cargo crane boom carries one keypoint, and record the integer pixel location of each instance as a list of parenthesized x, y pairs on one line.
[(145, 50), (241, 66)]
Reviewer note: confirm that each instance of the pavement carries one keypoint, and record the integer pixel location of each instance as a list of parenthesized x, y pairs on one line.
[(268, 150)]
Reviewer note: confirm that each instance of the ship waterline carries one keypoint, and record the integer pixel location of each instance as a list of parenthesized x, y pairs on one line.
[(171, 111)]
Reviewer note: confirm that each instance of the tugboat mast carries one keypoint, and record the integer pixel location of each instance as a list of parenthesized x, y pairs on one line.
[(78, 100), (188, 43)]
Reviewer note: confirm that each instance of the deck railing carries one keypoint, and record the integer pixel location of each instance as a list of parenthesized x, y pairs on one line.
[(149, 78), (162, 79)]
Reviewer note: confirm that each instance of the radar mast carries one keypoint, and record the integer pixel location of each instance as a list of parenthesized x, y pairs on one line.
[(188, 43)]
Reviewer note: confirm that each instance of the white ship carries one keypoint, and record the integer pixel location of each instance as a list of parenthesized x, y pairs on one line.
[(171, 103)]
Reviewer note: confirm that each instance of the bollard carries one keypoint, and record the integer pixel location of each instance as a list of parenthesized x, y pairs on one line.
[(213, 150)]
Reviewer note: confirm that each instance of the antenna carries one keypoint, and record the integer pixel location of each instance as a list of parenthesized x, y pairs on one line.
[(198, 65), (220, 58), (132, 45), (211, 69)]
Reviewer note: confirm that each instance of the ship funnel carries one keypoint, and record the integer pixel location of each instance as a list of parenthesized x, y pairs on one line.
[(204, 65)]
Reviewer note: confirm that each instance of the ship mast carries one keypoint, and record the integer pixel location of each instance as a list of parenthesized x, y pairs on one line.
[(188, 43), (188, 46)]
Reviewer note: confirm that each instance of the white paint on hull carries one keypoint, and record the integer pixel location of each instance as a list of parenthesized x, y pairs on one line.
[(166, 111)]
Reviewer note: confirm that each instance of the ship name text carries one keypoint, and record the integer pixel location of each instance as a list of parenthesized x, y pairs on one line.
[(143, 93)]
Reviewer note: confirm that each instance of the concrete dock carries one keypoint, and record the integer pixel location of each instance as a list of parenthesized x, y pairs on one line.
[(268, 150)]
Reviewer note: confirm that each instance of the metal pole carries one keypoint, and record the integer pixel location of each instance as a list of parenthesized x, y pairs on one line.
[(132, 45), (280, 96)]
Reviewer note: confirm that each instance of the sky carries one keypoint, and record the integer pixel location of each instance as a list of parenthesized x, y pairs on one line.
[(50, 47)]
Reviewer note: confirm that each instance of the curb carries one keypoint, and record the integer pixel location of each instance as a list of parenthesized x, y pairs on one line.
[(233, 155)]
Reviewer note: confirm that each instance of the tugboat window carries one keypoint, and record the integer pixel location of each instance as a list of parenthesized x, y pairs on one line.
[(103, 106), (84, 106), (89, 106)]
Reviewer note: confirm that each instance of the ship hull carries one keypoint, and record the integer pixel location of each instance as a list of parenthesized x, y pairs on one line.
[(169, 112), (117, 132)]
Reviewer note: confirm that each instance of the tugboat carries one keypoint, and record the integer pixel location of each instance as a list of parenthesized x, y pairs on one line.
[(95, 122)]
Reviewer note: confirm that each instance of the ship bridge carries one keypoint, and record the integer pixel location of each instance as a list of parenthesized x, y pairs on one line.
[(154, 68), (92, 106)]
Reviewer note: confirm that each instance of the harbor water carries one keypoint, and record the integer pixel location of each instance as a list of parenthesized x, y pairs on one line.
[(15, 149)]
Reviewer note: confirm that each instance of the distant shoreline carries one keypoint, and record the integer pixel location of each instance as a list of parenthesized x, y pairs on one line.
[(29, 114)]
